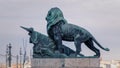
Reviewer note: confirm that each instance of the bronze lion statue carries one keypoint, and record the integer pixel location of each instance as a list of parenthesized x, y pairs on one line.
[(59, 29)]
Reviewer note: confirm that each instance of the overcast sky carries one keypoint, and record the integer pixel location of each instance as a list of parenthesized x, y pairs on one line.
[(100, 17)]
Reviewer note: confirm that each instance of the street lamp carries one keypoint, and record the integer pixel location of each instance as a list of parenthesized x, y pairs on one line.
[(6, 56), (9, 55), (20, 58)]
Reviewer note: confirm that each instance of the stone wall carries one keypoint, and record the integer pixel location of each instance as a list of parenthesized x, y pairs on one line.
[(65, 63)]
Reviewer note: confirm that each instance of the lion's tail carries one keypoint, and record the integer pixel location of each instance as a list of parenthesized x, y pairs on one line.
[(106, 49)]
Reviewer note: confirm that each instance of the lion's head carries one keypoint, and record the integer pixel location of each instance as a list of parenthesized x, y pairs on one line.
[(54, 16)]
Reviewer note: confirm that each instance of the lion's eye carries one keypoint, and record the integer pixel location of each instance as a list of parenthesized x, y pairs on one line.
[(49, 14)]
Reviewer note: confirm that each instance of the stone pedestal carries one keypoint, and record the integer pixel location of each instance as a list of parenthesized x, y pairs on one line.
[(65, 63)]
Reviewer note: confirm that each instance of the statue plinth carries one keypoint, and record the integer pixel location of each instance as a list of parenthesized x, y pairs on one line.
[(65, 63)]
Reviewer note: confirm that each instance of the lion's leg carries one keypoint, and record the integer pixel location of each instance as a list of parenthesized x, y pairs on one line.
[(77, 42), (89, 44)]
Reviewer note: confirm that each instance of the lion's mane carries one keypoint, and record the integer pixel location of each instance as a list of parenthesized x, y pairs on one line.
[(54, 16)]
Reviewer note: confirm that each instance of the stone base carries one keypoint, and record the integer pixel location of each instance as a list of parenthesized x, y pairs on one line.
[(65, 63)]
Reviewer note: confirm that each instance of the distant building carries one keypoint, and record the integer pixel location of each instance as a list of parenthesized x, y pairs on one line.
[(26, 65), (110, 64), (2, 65)]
